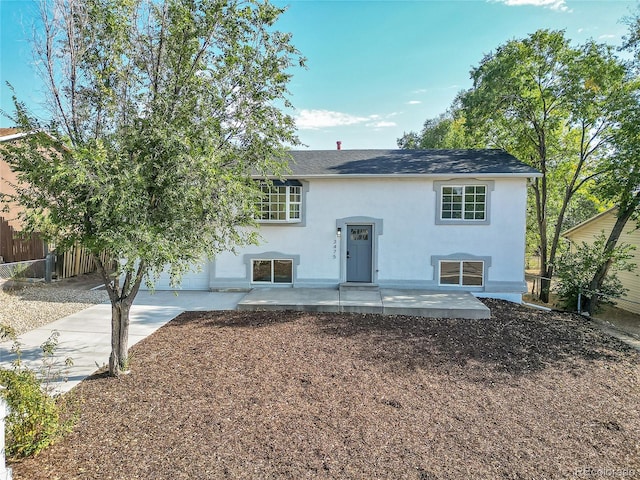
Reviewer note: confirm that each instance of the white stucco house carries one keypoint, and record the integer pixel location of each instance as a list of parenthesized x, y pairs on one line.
[(429, 219)]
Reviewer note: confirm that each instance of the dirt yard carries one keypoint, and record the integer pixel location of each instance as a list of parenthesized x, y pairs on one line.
[(527, 394)]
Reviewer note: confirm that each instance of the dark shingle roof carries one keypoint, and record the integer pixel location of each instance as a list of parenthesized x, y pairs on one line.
[(406, 162)]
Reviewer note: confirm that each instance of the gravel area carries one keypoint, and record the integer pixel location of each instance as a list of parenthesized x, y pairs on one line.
[(29, 306), (292, 395)]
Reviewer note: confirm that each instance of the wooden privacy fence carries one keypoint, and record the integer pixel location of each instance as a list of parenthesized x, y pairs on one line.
[(76, 261), (15, 248)]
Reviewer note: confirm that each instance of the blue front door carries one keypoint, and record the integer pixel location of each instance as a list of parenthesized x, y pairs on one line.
[(359, 258)]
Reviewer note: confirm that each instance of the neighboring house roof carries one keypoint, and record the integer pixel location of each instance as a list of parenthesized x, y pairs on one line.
[(407, 162), (588, 231), (9, 134), (588, 222)]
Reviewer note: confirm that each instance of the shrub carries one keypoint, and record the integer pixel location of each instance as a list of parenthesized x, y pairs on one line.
[(34, 421), (574, 271)]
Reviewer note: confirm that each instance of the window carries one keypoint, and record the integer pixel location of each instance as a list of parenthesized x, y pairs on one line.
[(462, 273), (281, 201), (272, 271), (359, 233), (464, 202)]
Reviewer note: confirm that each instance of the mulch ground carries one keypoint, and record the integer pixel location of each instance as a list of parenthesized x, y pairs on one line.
[(526, 394)]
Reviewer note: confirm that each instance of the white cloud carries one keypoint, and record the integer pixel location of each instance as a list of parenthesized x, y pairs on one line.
[(560, 5), (431, 90), (317, 119), (604, 37), (381, 124), (414, 102)]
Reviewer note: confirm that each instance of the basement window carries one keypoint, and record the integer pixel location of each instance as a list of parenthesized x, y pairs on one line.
[(272, 271), (462, 273)]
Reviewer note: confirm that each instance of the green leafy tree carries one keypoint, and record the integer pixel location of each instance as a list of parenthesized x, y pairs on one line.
[(555, 107), (620, 185), (621, 182), (585, 204), (576, 267), (161, 112), (445, 131)]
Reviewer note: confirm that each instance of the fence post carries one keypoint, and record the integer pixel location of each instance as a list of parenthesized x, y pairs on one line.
[(579, 301), (48, 268), (5, 472)]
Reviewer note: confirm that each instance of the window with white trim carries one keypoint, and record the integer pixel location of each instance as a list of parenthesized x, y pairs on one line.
[(281, 202), (463, 202), (463, 273), (272, 271)]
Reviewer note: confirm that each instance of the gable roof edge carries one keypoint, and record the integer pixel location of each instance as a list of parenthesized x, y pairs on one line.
[(14, 136), (588, 221)]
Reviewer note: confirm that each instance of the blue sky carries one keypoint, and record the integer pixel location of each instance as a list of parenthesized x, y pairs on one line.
[(375, 68)]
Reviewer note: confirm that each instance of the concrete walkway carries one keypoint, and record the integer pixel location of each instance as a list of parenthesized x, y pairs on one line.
[(628, 336), (85, 336)]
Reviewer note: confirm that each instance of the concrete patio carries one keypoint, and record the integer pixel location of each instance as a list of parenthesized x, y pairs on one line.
[(421, 303)]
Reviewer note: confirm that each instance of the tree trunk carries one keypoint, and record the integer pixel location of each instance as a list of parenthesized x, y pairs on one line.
[(591, 303), (545, 283), (121, 298), (539, 188), (118, 360), (546, 267)]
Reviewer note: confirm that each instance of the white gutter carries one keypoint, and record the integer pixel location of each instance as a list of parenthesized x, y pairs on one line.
[(452, 175), (14, 136)]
